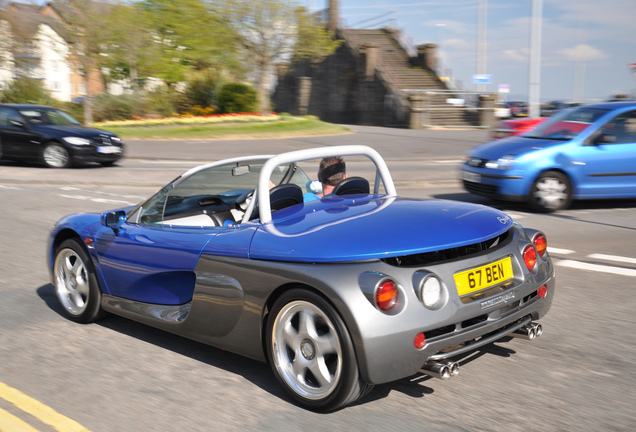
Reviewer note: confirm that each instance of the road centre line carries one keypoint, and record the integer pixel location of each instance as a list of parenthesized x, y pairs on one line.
[(38, 410), (597, 268)]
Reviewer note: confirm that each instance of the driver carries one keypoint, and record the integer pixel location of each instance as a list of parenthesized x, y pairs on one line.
[(332, 170)]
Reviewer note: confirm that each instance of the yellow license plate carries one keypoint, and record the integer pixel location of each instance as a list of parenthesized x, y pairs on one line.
[(478, 278)]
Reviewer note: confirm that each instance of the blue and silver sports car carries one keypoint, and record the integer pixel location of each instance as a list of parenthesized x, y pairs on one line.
[(358, 288), (588, 152)]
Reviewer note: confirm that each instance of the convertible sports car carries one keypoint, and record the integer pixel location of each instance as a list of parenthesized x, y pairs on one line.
[(358, 288)]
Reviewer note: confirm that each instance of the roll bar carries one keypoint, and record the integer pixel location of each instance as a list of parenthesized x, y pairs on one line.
[(262, 191)]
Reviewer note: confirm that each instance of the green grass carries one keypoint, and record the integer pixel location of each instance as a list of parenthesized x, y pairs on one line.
[(287, 127)]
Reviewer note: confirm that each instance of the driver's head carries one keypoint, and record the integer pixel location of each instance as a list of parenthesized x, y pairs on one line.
[(332, 170)]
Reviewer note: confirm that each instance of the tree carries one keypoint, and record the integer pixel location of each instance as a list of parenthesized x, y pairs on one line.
[(266, 30), (314, 41), (89, 25), (272, 30), (131, 48), (190, 35)]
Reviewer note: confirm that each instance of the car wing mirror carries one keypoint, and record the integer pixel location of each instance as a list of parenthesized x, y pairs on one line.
[(599, 138), (113, 219)]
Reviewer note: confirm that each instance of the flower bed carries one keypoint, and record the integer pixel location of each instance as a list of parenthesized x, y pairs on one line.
[(198, 120)]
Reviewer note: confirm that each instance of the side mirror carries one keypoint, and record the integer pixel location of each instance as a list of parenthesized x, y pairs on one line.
[(113, 219), (598, 138)]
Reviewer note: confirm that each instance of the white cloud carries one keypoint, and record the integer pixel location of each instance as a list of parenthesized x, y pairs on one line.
[(516, 55), (582, 52)]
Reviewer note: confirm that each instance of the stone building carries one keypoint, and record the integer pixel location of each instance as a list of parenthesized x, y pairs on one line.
[(373, 79)]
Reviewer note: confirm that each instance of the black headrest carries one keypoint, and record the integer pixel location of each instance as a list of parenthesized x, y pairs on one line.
[(351, 185), (285, 195)]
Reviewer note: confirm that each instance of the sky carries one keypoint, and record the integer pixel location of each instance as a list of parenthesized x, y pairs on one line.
[(586, 46)]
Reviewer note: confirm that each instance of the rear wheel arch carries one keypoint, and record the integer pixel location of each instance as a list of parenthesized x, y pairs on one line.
[(335, 349)]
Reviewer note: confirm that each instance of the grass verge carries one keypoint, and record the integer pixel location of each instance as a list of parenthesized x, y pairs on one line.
[(287, 127)]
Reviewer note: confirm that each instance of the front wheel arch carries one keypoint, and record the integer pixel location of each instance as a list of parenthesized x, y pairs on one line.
[(55, 155)]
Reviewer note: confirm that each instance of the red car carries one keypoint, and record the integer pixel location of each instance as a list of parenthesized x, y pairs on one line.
[(506, 128)]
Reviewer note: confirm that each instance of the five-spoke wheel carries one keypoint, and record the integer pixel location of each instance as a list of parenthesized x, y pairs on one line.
[(311, 352), (75, 283)]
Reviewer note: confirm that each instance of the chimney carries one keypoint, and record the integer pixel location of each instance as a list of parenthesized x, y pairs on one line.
[(332, 24)]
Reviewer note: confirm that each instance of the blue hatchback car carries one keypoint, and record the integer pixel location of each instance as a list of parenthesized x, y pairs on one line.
[(588, 152)]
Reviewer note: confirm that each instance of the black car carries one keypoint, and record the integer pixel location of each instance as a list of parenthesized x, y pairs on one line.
[(46, 135)]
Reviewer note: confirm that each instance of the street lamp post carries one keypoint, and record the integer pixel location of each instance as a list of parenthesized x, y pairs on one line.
[(534, 87)]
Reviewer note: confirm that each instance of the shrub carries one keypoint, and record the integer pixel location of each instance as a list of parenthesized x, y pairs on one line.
[(162, 102), (201, 92), (237, 98), (118, 107), (26, 90)]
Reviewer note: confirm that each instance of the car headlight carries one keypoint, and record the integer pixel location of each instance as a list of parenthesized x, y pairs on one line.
[(114, 138), (503, 163), (77, 140)]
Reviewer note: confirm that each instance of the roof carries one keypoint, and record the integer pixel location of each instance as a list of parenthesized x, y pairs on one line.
[(24, 25)]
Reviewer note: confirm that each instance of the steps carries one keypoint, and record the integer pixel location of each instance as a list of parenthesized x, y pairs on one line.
[(395, 64)]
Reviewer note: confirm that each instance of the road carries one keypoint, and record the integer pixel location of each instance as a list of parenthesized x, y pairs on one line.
[(118, 375)]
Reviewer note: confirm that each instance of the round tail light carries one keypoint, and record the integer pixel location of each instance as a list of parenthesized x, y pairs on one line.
[(541, 244), (530, 257), (386, 296)]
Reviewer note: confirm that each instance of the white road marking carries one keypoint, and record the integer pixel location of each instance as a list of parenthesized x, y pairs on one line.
[(559, 251), (613, 258), (98, 200), (597, 268), (172, 162)]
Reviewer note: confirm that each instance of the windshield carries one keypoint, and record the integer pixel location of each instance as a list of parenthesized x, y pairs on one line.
[(48, 116), (567, 124)]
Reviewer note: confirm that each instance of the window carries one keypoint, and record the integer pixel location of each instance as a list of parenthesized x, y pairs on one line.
[(620, 129), (211, 196)]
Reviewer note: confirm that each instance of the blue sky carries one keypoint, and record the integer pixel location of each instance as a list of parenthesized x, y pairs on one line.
[(586, 47)]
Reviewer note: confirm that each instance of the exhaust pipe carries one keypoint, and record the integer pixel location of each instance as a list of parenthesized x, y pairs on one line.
[(442, 369), (530, 331), (453, 367)]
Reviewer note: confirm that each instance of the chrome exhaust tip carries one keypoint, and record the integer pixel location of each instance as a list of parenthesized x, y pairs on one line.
[(538, 329), (528, 332), (453, 367), (436, 369)]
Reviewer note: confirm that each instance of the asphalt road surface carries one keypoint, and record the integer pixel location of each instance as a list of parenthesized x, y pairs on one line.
[(118, 375)]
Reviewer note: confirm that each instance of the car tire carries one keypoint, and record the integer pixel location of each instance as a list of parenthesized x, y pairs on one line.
[(54, 155), (552, 191), (75, 283), (107, 163), (311, 352)]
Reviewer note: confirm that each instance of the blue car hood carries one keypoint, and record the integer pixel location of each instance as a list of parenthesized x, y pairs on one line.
[(513, 146), (373, 227)]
